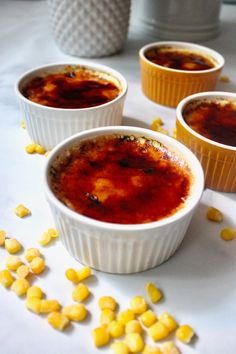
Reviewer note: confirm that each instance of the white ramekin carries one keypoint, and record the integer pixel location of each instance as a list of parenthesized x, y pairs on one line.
[(48, 126), (119, 248)]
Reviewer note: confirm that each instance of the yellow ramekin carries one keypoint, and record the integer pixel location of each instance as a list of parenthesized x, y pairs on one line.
[(168, 86), (218, 160)]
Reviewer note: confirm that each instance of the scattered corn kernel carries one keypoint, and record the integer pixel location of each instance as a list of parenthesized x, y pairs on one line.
[(37, 265), (23, 271), (22, 123), (75, 312), (115, 329), (125, 316), (228, 234), (214, 214), (119, 348), (138, 305), (72, 275), (107, 302), (158, 331), (153, 292), (34, 291), (13, 262), (168, 321), (184, 333), (47, 306), (31, 253), (12, 245), (100, 336), (156, 123), (84, 273), (20, 286), (133, 327), (162, 130), (2, 237), (40, 149), (134, 342), (58, 321), (53, 233), (80, 292), (151, 350), (47, 153), (170, 348), (148, 318), (33, 304), (6, 278), (107, 316), (22, 211), (45, 239), (30, 149), (224, 78)]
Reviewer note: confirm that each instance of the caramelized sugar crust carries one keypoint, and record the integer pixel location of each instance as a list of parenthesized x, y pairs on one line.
[(121, 179)]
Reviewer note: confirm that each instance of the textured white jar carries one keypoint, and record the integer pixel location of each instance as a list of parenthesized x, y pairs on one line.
[(90, 28)]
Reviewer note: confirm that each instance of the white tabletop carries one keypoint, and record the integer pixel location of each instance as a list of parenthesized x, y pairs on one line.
[(198, 281)]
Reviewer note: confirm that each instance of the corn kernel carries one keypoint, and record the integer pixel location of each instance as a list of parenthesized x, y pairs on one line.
[(168, 321), (37, 265), (156, 123), (228, 234), (22, 123), (133, 327), (107, 302), (45, 239), (33, 304), (158, 331), (151, 350), (224, 78), (47, 153), (162, 130), (153, 292), (34, 291), (214, 214), (138, 305), (84, 273), (22, 271), (22, 211), (39, 149), (119, 348), (58, 321), (30, 148), (125, 316), (106, 316), (115, 329), (148, 318), (134, 342), (12, 245), (80, 292), (13, 262), (75, 312), (6, 278), (20, 286), (170, 348), (184, 333), (72, 275), (2, 237), (47, 306), (31, 253), (53, 233), (100, 336)]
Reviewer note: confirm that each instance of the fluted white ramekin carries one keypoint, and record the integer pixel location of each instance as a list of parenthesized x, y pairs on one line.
[(119, 248), (48, 126)]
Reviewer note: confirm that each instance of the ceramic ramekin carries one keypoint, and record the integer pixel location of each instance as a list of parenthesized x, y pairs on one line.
[(168, 86), (48, 126), (218, 160), (119, 248)]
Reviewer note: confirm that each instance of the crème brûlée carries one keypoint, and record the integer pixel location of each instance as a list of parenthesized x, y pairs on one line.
[(121, 179), (72, 88)]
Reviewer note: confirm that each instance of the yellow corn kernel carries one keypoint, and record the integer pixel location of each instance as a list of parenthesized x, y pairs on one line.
[(184, 333), (158, 331), (53, 233), (168, 321), (12, 245), (170, 348), (228, 234), (13, 262), (151, 350), (156, 123), (22, 211), (33, 304), (106, 316), (37, 265), (162, 130), (72, 275), (125, 316), (133, 327), (148, 318), (153, 292), (45, 239), (119, 348), (224, 78), (20, 286), (6, 278), (39, 149), (47, 153), (58, 321), (30, 148), (138, 305), (34, 291), (214, 214), (84, 273), (23, 271), (31, 253), (2, 237), (47, 306), (100, 336), (75, 312), (115, 329), (107, 302), (80, 292), (134, 342), (22, 123)]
